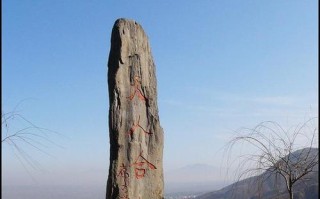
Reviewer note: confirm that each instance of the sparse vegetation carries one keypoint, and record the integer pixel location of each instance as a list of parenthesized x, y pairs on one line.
[(18, 132), (276, 153)]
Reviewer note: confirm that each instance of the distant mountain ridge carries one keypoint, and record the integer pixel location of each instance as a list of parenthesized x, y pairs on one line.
[(271, 188)]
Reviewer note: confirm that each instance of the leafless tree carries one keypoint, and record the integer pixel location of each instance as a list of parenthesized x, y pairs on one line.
[(18, 132), (276, 153)]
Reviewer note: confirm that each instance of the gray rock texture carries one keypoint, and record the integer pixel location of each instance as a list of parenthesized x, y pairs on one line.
[(136, 137)]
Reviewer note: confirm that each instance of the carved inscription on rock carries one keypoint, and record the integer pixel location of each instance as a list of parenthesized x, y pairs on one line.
[(136, 137)]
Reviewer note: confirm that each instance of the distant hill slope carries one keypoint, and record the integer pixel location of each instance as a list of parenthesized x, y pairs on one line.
[(271, 188)]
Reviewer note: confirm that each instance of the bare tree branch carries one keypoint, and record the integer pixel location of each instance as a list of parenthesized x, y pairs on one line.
[(274, 153), (26, 134)]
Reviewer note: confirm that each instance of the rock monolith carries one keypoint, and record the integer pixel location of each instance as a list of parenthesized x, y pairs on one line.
[(136, 137)]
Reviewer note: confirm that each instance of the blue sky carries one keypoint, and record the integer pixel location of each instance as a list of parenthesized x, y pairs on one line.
[(220, 65)]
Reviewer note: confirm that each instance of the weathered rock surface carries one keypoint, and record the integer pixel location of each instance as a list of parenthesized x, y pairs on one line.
[(136, 138)]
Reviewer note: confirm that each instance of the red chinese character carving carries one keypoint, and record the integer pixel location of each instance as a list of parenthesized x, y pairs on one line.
[(135, 126), (124, 187), (141, 165), (137, 90), (139, 173)]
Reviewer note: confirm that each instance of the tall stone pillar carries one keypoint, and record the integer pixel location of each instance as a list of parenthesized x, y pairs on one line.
[(136, 137)]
